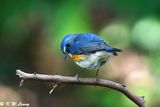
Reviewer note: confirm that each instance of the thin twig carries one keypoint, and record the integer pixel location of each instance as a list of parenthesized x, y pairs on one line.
[(138, 100), (54, 87), (21, 82)]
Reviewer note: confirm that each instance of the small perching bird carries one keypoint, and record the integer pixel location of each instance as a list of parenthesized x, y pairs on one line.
[(87, 50)]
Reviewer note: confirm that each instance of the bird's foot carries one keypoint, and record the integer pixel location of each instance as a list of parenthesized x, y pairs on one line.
[(77, 77), (96, 80)]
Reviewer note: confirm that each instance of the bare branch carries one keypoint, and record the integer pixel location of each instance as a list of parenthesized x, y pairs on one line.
[(138, 100)]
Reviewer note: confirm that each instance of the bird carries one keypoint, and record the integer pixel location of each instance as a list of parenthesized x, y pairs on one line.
[(87, 50)]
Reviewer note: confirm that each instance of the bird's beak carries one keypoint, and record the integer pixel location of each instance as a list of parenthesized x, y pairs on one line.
[(65, 55)]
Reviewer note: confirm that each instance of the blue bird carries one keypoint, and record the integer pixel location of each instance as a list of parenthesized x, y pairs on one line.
[(87, 50)]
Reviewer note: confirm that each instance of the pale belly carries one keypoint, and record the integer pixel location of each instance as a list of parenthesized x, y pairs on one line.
[(95, 60)]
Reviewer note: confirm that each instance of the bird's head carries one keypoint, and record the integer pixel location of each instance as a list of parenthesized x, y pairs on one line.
[(66, 44)]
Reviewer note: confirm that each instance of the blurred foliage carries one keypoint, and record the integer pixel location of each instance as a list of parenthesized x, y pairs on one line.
[(150, 28), (117, 29), (30, 36)]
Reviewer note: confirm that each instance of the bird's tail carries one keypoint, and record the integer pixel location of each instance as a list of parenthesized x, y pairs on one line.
[(113, 50)]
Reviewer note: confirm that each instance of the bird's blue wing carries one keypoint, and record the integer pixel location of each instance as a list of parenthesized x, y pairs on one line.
[(88, 43), (91, 47), (81, 47)]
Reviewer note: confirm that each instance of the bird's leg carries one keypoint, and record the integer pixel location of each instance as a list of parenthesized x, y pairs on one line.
[(97, 74)]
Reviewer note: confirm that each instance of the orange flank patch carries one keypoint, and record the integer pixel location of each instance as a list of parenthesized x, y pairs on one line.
[(77, 57)]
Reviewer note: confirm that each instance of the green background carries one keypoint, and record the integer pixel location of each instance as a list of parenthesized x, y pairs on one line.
[(31, 32)]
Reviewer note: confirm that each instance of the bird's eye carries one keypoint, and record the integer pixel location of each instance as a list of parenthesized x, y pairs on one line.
[(68, 45)]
